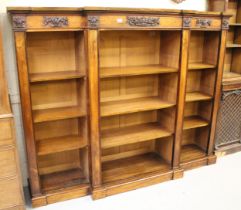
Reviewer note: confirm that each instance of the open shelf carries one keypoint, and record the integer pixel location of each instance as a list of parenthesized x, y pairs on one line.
[(133, 105), (191, 152), (60, 144), (132, 134), (63, 180), (235, 24), (197, 96), (57, 114), (130, 167), (135, 70), (51, 76), (233, 45), (198, 66), (231, 78), (194, 122)]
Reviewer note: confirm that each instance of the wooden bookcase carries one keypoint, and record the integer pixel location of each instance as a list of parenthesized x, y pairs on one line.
[(11, 193), (148, 80), (232, 71)]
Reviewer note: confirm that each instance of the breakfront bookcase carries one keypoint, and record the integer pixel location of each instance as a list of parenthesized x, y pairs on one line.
[(228, 136), (11, 189), (116, 98)]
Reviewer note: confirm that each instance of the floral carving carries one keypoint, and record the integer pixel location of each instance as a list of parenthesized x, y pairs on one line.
[(93, 21), (204, 23), (178, 1), (143, 21), (225, 24), (187, 22), (19, 22), (55, 21)]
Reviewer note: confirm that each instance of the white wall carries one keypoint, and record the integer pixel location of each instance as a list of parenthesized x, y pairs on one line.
[(9, 51)]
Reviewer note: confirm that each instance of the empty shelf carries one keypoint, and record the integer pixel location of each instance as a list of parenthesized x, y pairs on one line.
[(60, 144), (196, 66), (133, 105), (231, 78), (61, 180), (135, 70), (56, 114), (233, 45), (133, 166), (41, 77), (197, 96), (194, 122), (132, 134), (235, 24), (191, 152)]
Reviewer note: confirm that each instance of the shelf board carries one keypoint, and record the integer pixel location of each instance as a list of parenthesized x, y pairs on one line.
[(132, 134), (197, 96), (194, 122), (42, 77), (57, 114), (60, 144), (191, 152), (135, 70), (133, 105), (231, 78), (197, 66), (233, 45), (235, 24), (64, 179), (133, 166)]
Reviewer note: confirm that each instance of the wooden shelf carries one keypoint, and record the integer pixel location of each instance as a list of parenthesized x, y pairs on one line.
[(233, 45), (60, 144), (197, 66), (135, 70), (231, 78), (42, 77), (197, 96), (235, 24), (129, 167), (132, 134), (191, 152), (133, 105), (56, 114), (194, 122), (64, 179)]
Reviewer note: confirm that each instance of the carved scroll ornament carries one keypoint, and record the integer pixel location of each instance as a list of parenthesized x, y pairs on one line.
[(93, 21), (55, 21), (19, 22), (178, 1), (225, 24), (187, 22), (143, 21), (204, 23)]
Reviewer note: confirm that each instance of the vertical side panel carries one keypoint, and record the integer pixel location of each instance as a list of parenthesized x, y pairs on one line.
[(94, 106), (217, 94), (181, 97), (26, 111)]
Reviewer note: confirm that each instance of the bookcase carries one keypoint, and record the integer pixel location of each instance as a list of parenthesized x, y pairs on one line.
[(116, 98), (11, 194), (228, 131)]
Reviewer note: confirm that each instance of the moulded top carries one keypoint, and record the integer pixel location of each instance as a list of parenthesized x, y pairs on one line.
[(106, 9)]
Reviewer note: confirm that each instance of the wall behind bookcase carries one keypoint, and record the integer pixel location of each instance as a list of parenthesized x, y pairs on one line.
[(9, 51)]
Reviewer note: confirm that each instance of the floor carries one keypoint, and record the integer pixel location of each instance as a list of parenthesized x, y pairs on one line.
[(213, 187)]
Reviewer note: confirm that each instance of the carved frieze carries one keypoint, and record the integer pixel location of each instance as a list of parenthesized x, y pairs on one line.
[(143, 21), (19, 22), (204, 23), (55, 21), (93, 21)]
